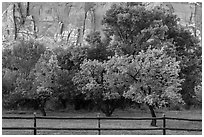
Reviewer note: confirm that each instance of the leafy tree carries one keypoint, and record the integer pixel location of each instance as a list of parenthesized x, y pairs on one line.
[(46, 74), (70, 59), (23, 86), (23, 56), (41, 82), (188, 52), (198, 92), (65, 87), (77, 54), (8, 86), (98, 48), (8, 80), (134, 28), (20, 59), (96, 82), (64, 57), (152, 78), (69, 62)]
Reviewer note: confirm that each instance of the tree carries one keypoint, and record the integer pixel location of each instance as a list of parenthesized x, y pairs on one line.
[(198, 91), (97, 48), (8, 80), (96, 82), (69, 61), (43, 78), (65, 87), (188, 52), (65, 84), (22, 56), (21, 60), (134, 28), (152, 78), (8, 86)]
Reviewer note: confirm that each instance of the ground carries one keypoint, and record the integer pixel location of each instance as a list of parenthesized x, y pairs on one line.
[(194, 114)]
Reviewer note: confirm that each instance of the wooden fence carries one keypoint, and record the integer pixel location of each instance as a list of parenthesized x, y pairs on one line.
[(98, 118)]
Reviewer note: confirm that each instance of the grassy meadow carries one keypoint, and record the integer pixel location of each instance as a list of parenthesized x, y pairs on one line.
[(196, 114)]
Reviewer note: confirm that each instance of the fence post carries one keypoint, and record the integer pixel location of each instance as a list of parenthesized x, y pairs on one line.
[(35, 129), (164, 125), (99, 124)]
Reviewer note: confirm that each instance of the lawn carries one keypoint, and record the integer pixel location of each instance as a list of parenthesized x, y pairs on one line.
[(197, 114)]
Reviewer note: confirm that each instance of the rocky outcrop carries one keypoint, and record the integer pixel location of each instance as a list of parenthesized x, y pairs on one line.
[(57, 22), (8, 24)]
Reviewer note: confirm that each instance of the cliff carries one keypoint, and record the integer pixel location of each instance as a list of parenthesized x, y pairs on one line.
[(54, 22)]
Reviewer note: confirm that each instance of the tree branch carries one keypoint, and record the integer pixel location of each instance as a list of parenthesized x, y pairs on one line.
[(121, 36)]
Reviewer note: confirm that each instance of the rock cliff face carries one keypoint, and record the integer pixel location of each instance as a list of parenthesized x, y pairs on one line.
[(60, 22), (56, 22)]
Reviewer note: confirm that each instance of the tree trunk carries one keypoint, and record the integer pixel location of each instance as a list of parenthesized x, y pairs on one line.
[(63, 102), (84, 24), (154, 121), (108, 107), (27, 9), (15, 25), (76, 104), (42, 107), (79, 36), (43, 111), (94, 20)]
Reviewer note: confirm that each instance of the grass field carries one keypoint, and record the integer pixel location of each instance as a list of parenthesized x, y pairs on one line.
[(197, 114)]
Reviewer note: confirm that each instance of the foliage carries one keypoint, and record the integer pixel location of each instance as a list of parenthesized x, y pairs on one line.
[(96, 82), (188, 51), (64, 58), (23, 56), (98, 48), (78, 54), (8, 80), (134, 28), (41, 82), (8, 86), (69, 61), (65, 91), (45, 72), (198, 92), (17, 62), (153, 78)]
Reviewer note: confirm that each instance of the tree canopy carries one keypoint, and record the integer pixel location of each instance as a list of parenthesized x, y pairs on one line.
[(134, 28)]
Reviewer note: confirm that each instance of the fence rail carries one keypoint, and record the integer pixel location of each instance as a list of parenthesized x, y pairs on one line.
[(98, 118)]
